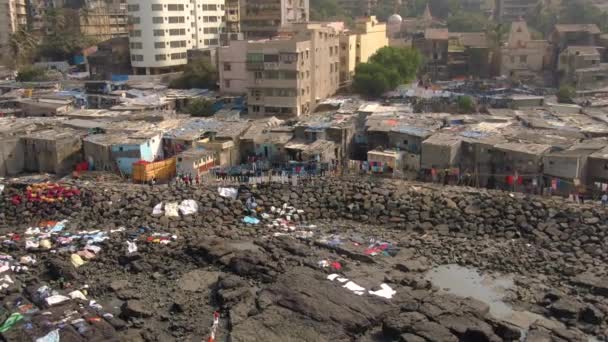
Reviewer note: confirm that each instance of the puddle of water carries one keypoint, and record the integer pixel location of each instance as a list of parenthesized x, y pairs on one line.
[(467, 282)]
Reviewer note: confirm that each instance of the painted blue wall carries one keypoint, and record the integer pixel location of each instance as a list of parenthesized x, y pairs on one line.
[(126, 164)]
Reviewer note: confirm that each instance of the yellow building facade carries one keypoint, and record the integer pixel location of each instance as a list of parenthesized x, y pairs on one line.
[(358, 45)]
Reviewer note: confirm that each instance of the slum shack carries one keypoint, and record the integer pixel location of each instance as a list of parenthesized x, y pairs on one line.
[(196, 162), (52, 151), (441, 151), (519, 165)]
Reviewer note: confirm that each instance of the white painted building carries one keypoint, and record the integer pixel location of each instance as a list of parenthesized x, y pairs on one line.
[(162, 31)]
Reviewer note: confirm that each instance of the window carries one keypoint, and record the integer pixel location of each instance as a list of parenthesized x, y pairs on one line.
[(206, 41), (160, 57), (523, 59), (178, 43), (227, 83), (137, 58), (135, 33), (177, 20), (157, 7), (256, 109), (132, 8), (211, 7), (136, 45), (271, 58), (178, 7), (209, 30), (159, 33), (227, 67), (134, 20), (205, 19), (180, 55), (213, 41), (157, 20), (177, 32), (159, 45)]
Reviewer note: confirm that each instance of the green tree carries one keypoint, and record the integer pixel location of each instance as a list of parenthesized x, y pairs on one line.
[(62, 38), (200, 107), (23, 46), (32, 74), (465, 104), (496, 35), (566, 94), (385, 70), (373, 79), (198, 74), (405, 61), (467, 22)]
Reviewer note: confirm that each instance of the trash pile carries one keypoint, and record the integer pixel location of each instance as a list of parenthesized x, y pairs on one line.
[(173, 209), (46, 193), (385, 291), (282, 218)]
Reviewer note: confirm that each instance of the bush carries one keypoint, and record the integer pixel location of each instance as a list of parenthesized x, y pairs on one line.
[(566, 94), (200, 107), (32, 74), (465, 104)]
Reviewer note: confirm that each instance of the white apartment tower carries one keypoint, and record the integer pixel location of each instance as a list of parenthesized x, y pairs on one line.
[(162, 31)]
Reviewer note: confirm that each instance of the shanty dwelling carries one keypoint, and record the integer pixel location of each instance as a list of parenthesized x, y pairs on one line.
[(44, 107), (565, 171), (52, 151), (226, 151), (195, 162), (476, 161), (321, 151), (11, 156), (519, 165), (441, 152), (144, 145), (387, 161), (597, 170), (408, 138)]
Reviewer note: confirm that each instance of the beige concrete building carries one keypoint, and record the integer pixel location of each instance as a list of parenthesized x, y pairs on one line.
[(13, 15), (232, 68), (289, 75), (102, 20), (358, 45), (265, 18), (523, 58), (510, 10)]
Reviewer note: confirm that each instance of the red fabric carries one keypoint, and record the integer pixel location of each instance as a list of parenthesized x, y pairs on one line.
[(336, 265), (509, 180)]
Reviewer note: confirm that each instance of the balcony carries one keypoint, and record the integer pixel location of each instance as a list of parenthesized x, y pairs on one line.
[(254, 66)]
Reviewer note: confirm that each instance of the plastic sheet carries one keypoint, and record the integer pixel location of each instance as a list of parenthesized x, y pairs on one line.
[(188, 207)]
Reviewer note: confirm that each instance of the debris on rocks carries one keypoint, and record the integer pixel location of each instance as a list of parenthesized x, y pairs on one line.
[(341, 260)]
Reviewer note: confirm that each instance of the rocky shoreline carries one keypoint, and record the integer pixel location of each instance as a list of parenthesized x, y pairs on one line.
[(266, 280)]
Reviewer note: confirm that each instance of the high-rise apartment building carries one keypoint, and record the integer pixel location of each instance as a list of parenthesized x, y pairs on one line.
[(162, 31), (287, 75), (13, 15), (265, 18), (233, 16)]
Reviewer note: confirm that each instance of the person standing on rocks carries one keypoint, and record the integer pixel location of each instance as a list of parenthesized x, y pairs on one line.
[(604, 199)]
